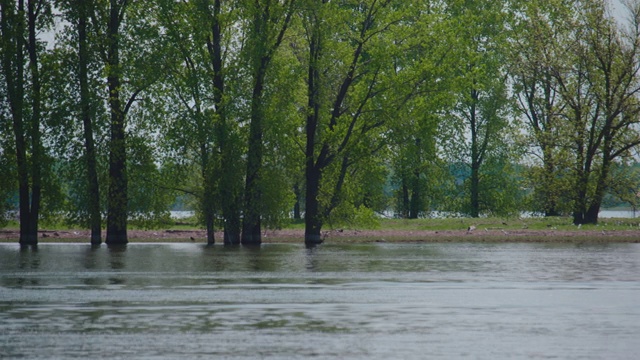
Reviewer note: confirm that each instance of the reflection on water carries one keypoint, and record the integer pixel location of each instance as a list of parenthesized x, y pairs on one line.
[(164, 301)]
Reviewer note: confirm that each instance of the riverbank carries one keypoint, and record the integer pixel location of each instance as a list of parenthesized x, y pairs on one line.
[(361, 236)]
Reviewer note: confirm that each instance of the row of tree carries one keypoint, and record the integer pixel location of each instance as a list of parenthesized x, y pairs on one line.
[(262, 108)]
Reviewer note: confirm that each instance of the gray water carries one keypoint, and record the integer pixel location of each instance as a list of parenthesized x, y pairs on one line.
[(372, 301)]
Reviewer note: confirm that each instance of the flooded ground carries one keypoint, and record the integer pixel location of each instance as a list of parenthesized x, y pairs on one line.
[(366, 301)]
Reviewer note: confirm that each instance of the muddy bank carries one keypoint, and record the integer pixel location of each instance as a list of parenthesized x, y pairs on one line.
[(344, 235)]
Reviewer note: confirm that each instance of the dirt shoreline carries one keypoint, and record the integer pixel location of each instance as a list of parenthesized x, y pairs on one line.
[(363, 236)]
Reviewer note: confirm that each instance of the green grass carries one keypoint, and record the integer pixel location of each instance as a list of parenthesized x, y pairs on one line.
[(556, 223)]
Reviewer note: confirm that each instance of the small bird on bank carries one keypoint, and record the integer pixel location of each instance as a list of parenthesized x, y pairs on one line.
[(192, 238), (471, 228)]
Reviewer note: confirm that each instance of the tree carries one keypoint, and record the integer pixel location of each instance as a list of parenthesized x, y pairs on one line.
[(424, 84), (538, 99), (479, 118), (117, 200), (16, 22), (600, 87), (130, 47), (85, 8), (202, 36), (348, 61), (269, 21), (78, 14)]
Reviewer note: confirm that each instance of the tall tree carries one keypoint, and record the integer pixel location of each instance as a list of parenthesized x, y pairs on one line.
[(538, 99), (16, 22), (425, 70), (117, 200), (601, 87), (204, 39), (348, 58), (269, 21), (85, 8), (130, 45), (480, 112)]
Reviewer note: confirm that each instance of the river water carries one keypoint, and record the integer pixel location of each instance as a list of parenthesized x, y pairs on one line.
[(283, 301)]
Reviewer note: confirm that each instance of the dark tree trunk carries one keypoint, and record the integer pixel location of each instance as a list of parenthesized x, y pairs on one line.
[(475, 160), (251, 226), (475, 192), (117, 202), (312, 218), (251, 222), (263, 50), (13, 27), (227, 188), (85, 113), (36, 144), (313, 172), (208, 207)]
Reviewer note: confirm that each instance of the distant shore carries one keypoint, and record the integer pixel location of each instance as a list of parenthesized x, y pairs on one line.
[(359, 236)]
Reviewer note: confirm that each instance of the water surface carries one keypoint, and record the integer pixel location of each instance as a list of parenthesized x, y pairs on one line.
[(367, 301)]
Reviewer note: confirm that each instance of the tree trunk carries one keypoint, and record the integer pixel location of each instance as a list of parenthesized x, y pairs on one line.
[(227, 188), (475, 158), (85, 114), (312, 217), (36, 144), (313, 172), (208, 194), (14, 61), (251, 226), (475, 191), (117, 203), (13, 28), (416, 196)]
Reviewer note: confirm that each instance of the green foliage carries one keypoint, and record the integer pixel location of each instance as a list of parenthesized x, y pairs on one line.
[(468, 108)]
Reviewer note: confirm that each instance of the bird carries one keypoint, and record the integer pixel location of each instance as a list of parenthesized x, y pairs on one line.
[(471, 228), (192, 238)]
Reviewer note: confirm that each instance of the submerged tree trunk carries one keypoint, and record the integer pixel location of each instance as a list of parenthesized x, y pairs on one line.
[(36, 144), (312, 217), (228, 185), (208, 206), (251, 226), (13, 27), (117, 202), (267, 35), (85, 113), (313, 171)]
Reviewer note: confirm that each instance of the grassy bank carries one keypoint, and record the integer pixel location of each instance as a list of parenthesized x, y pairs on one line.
[(558, 229)]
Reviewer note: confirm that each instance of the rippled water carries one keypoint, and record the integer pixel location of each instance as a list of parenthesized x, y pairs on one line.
[(372, 301)]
